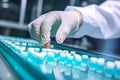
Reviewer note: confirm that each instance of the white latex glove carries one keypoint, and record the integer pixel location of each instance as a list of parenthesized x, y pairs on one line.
[(56, 24)]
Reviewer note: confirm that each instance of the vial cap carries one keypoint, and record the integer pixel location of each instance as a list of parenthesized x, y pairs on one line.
[(101, 61), (85, 56), (93, 59), (110, 65), (50, 54), (78, 57)]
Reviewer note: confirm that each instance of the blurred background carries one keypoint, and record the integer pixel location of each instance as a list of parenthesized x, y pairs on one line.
[(16, 14)]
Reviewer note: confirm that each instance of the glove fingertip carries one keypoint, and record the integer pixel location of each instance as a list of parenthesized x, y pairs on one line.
[(59, 39)]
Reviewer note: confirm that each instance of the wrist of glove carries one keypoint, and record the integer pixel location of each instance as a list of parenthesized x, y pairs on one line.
[(56, 24)]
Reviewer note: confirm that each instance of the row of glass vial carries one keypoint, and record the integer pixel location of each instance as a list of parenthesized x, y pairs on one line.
[(66, 61)]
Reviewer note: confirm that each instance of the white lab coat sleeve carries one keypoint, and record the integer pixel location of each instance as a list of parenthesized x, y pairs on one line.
[(101, 21)]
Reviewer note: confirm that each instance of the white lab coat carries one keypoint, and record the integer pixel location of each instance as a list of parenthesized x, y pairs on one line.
[(101, 21)]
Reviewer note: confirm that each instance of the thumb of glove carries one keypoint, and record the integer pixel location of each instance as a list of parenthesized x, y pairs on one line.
[(71, 20)]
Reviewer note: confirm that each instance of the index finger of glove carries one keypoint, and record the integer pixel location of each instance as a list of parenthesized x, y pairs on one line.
[(47, 24)]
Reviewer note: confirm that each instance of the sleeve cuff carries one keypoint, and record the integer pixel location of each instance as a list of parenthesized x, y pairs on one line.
[(89, 21)]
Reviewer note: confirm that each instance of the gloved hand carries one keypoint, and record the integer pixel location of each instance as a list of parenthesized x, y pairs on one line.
[(56, 24)]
